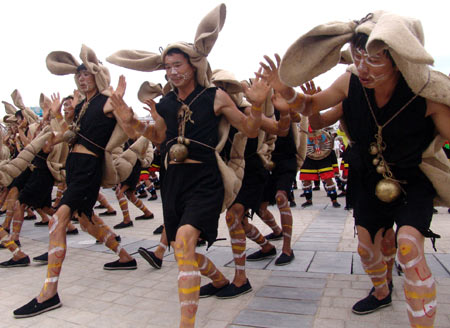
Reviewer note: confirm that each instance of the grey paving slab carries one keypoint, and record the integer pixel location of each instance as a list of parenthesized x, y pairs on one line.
[(300, 274), (332, 262), (436, 267), (314, 246), (295, 282), (323, 231), (147, 244), (312, 294), (272, 319), (124, 243), (307, 238), (283, 305), (301, 262), (444, 259)]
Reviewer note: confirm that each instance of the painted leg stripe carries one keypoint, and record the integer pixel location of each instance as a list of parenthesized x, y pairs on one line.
[(189, 290), (51, 280), (54, 224), (188, 303), (56, 249), (203, 267), (427, 282), (163, 246), (427, 308), (240, 267), (182, 274), (17, 250), (237, 241), (238, 256), (286, 235), (4, 238)]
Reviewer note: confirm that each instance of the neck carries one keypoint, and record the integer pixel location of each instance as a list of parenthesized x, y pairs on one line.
[(185, 90), (91, 94), (383, 93)]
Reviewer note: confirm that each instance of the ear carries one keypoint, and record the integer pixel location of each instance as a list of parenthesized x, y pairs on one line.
[(17, 99), (61, 63), (138, 60), (208, 30)]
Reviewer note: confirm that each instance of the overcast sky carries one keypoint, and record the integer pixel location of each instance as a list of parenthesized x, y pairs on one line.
[(29, 30)]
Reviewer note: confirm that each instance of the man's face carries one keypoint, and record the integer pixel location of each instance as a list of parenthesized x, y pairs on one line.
[(86, 81), (372, 70), (67, 107), (178, 70)]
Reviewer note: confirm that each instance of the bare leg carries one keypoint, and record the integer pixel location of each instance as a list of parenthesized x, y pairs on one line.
[(268, 218)]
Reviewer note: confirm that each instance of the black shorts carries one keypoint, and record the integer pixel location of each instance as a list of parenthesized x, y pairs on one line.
[(133, 178), (415, 208), (280, 178), (193, 195), (37, 192), (252, 190), (20, 181), (84, 176)]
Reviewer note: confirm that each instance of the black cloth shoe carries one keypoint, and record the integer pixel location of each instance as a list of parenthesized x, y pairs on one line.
[(116, 265), (34, 308), (336, 205), (231, 291), (307, 203), (123, 225), (209, 290), (158, 230), (153, 197), (342, 194), (11, 263), (150, 257), (272, 236), (106, 213), (284, 259), (435, 211), (316, 188), (29, 217), (2, 212), (371, 304), (118, 239), (259, 255), (100, 206), (41, 224), (292, 203), (41, 258), (72, 232), (390, 285), (143, 217), (142, 195)]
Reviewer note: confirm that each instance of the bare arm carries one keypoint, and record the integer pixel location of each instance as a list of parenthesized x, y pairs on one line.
[(327, 118), (440, 114), (303, 103)]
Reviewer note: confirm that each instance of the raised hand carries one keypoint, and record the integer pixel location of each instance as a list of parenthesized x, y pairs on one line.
[(56, 105), (309, 88), (257, 92), (120, 108), (270, 73), (76, 98), (152, 109), (280, 103)]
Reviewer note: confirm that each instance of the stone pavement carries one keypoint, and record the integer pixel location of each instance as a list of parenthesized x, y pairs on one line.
[(316, 290)]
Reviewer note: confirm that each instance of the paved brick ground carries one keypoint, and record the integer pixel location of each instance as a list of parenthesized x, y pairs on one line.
[(316, 290)]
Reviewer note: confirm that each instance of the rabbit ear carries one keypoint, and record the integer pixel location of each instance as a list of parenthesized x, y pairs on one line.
[(9, 109), (138, 60), (61, 63), (149, 90), (208, 30), (315, 52), (44, 101), (17, 99)]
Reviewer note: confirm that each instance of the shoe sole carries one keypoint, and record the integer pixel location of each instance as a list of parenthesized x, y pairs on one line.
[(370, 311), (37, 313), (286, 263), (149, 259), (234, 296), (261, 258), (120, 268), (40, 262)]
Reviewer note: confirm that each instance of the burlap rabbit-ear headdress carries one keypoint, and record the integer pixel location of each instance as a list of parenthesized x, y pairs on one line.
[(27, 112), (319, 50), (205, 38), (63, 63)]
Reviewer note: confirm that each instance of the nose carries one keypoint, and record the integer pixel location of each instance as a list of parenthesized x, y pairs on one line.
[(362, 67), (173, 70)]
